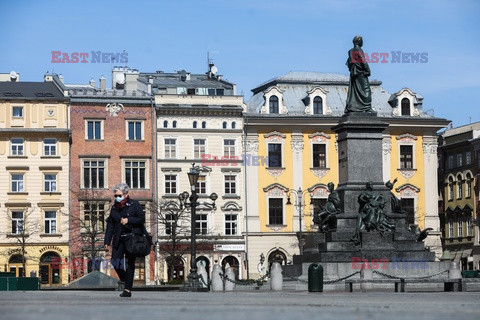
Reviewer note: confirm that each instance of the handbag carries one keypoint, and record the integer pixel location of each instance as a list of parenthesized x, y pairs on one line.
[(138, 245)]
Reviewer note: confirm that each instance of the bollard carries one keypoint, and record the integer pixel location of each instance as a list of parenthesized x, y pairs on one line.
[(315, 278), (454, 271), (229, 275), (204, 275), (276, 277), (217, 281), (366, 274)]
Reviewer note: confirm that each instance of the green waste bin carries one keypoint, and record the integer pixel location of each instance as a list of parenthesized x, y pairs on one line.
[(315, 278)]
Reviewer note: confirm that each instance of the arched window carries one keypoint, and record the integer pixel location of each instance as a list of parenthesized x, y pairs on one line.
[(165, 124), (405, 107), (277, 256), (450, 188), (232, 263), (174, 124), (317, 105), (459, 187), (468, 191), (204, 125), (194, 124), (234, 125), (273, 104), (224, 125)]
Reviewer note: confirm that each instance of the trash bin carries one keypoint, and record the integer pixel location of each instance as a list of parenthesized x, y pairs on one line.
[(315, 278)]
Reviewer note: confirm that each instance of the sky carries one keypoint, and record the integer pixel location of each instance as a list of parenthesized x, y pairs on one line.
[(252, 41)]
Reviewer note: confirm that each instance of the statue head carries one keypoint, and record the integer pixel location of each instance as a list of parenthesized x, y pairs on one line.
[(358, 40), (330, 186), (389, 185)]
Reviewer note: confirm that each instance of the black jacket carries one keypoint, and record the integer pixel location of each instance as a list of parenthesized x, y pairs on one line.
[(136, 219)]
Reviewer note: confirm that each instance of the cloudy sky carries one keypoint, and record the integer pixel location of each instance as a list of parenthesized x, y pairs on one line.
[(253, 41)]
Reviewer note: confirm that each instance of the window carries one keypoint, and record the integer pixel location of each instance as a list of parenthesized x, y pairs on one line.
[(94, 129), (468, 158), (406, 157), (170, 148), (50, 222), (170, 223), (450, 228), (204, 125), (275, 211), (201, 224), (408, 205), (17, 147), (170, 184), (459, 187), (317, 105), (135, 174), (230, 224), (135, 130), (450, 188), (17, 112), (230, 185), (94, 215), (224, 125), (49, 147), (220, 92), (165, 124), (174, 124), (319, 156), (450, 162), (199, 148), (201, 187), (469, 227), (405, 107), (17, 222), (93, 174), (468, 191), (275, 155), (459, 160), (50, 182), (234, 125), (273, 103), (229, 148), (17, 182), (460, 227), (194, 124)]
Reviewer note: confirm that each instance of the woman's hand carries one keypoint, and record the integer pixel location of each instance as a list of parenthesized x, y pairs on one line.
[(124, 221)]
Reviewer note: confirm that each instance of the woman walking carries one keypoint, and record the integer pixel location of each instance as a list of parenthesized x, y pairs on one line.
[(126, 217)]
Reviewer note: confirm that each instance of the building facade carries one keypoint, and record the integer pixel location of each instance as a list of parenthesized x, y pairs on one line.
[(288, 130), (34, 168), (458, 183), (199, 120)]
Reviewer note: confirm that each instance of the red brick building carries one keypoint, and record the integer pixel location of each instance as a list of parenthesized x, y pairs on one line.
[(112, 141)]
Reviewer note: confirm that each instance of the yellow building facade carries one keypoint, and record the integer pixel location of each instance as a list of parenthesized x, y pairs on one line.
[(288, 131), (34, 165)]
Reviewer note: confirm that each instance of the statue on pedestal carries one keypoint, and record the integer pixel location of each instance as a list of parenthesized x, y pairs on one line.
[(359, 98), (326, 219)]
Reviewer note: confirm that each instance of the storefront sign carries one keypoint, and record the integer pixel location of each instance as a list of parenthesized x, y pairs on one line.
[(229, 247), (50, 248)]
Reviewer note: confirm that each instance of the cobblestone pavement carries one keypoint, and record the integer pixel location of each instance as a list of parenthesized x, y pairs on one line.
[(238, 305)]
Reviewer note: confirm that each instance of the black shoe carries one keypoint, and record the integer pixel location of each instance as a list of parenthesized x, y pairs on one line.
[(126, 294)]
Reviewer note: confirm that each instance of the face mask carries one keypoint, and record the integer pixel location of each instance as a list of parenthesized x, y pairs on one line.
[(117, 199)]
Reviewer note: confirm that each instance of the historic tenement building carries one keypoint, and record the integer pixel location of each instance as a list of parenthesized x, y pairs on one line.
[(112, 141), (34, 168), (199, 120), (288, 133), (459, 167)]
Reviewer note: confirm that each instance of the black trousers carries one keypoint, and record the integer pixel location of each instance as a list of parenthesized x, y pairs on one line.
[(124, 268)]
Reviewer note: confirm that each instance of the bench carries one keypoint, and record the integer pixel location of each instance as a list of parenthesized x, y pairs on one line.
[(400, 284)]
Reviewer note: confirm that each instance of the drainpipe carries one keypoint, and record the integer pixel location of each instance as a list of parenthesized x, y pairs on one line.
[(245, 194)]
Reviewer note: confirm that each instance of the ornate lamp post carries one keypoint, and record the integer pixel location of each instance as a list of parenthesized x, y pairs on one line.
[(193, 280), (299, 203)]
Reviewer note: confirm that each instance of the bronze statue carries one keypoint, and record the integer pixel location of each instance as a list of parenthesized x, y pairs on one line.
[(395, 202), (326, 219), (359, 98), (371, 214)]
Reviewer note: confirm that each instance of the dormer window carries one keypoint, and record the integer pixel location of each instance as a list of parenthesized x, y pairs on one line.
[(317, 105), (273, 104), (405, 107), (194, 124)]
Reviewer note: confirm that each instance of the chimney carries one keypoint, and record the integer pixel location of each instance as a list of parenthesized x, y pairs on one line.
[(103, 83), (92, 83)]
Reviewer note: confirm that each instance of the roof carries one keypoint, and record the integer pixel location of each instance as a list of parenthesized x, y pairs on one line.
[(174, 80), (296, 85), (462, 129), (30, 91)]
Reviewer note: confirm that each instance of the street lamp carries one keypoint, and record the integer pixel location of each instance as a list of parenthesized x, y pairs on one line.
[(193, 280), (299, 204)]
